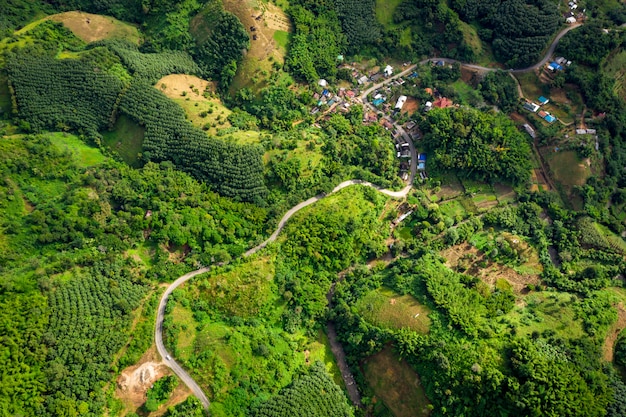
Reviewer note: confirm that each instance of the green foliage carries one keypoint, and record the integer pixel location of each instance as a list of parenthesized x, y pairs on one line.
[(160, 392), (222, 48), (23, 322), (315, 44), (356, 144), (484, 146), (89, 321), (313, 394), (589, 44), (151, 66), (62, 94), (338, 231), (358, 22), (500, 89), (233, 170), (191, 407)]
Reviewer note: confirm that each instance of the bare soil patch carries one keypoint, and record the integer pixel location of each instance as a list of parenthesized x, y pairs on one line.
[(174, 85), (611, 337), (396, 384), (469, 76), (471, 259), (410, 106), (135, 381), (276, 18), (92, 27)]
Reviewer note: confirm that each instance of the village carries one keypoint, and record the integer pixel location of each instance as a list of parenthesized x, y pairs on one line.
[(395, 96)]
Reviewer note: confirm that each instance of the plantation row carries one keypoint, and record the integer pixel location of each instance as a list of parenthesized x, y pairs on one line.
[(88, 324), (233, 170), (62, 94), (87, 94), (152, 66), (314, 394)]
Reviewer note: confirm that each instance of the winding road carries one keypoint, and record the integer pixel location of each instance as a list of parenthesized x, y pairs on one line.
[(158, 332)]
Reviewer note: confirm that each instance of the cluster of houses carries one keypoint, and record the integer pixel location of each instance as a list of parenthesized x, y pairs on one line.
[(336, 102), (558, 64), (569, 16), (536, 108), (403, 151)]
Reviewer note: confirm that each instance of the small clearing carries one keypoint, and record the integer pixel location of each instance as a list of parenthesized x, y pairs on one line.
[(410, 106), (174, 85), (396, 384), (613, 333), (262, 20), (568, 169), (134, 382), (472, 258), (93, 27), (386, 308)]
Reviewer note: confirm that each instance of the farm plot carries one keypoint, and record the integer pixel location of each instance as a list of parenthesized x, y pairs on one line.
[(92, 27), (386, 308), (567, 168), (396, 384)]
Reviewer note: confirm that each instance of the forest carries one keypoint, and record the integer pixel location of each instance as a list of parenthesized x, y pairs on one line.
[(479, 291)]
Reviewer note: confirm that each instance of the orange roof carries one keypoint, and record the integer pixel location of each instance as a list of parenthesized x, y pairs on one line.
[(429, 90), (442, 103), (542, 113)]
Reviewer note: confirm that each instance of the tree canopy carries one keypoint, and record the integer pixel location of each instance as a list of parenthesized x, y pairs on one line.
[(478, 145)]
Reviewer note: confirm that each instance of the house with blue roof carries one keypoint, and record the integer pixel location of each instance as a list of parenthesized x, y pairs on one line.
[(549, 118), (543, 100)]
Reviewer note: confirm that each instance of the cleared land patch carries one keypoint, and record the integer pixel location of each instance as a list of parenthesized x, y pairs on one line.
[(202, 107), (83, 154), (264, 51), (472, 261), (396, 384), (134, 382), (93, 27), (547, 311), (611, 337), (567, 168), (126, 139), (386, 308)]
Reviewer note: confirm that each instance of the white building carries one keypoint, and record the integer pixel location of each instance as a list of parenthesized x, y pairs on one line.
[(400, 102), (388, 70)]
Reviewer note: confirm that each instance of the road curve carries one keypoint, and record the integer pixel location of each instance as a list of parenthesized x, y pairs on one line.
[(158, 332), (158, 339), (539, 64)]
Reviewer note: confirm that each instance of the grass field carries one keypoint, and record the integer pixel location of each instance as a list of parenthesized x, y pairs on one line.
[(282, 38), (183, 318), (532, 87), (385, 10), (84, 154), (243, 290), (453, 209), (396, 384), (547, 311), (126, 139), (319, 350), (386, 308), (567, 168), (450, 186), (91, 27)]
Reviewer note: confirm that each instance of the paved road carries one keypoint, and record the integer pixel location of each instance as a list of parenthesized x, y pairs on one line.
[(158, 333), (158, 338), (539, 64)]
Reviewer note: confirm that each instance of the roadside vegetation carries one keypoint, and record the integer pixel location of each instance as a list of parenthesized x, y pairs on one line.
[(154, 138)]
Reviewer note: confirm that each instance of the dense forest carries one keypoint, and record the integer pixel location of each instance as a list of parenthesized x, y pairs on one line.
[(480, 292)]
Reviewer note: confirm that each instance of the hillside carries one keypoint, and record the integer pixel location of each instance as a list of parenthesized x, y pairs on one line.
[(271, 208)]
